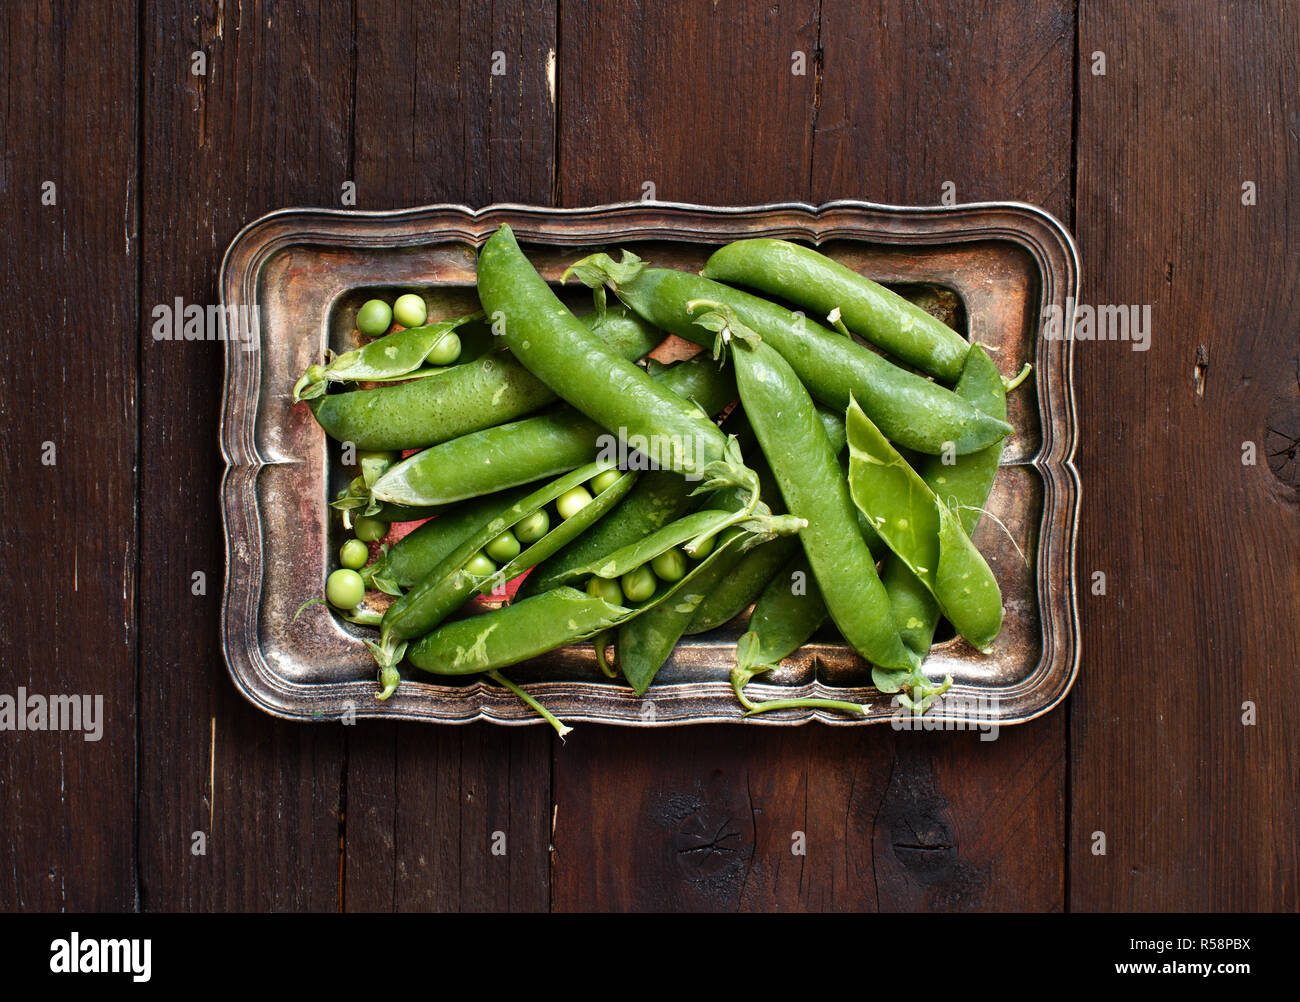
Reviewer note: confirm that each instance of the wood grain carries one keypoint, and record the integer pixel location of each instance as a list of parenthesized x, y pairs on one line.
[(891, 821), (1201, 552), (157, 168), (68, 517), (453, 819), (268, 125)]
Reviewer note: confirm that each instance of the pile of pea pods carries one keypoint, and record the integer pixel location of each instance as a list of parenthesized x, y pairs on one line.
[(842, 484)]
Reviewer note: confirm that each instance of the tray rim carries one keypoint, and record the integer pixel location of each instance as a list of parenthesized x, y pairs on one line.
[(1038, 232)]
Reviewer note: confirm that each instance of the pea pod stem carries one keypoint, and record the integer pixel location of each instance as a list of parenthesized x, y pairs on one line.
[(740, 678), (561, 728)]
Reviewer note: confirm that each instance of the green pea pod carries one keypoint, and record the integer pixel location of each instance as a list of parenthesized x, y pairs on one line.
[(450, 585), (617, 395), (812, 280), (922, 532), (460, 399), (796, 446), (628, 558), (658, 498), (396, 356), (790, 610), (909, 408), (964, 486), (492, 459), (646, 641), (735, 591), (552, 619), (514, 633), (416, 554), (523, 451)]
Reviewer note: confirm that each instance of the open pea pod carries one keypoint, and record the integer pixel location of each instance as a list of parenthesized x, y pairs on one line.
[(964, 486), (629, 558), (415, 555), (556, 618), (399, 355), (449, 585), (922, 532)]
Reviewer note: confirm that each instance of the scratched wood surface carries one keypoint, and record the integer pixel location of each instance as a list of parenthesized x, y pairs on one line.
[(195, 800)]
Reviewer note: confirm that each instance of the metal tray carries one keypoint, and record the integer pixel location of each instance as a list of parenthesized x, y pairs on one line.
[(299, 272)]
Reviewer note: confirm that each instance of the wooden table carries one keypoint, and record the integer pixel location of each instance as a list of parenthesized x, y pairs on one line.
[(1165, 136)]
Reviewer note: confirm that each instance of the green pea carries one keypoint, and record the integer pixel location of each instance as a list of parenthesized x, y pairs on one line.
[(409, 310), (480, 565), (533, 527), (572, 501), (504, 548), (374, 317), (606, 589), (369, 530), (701, 551), (316, 373), (354, 554), (603, 481), (669, 565), (445, 352), (639, 584), (344, 589)]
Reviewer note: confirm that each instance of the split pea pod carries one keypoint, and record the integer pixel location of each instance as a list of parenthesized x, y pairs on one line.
[(812, 280), (544, 445), (910, 409), (923, 532), (455, 580), (795, 443), (400, 355), (417, 553), (622, 398), (463, 398), (659, 497), (964, 486)]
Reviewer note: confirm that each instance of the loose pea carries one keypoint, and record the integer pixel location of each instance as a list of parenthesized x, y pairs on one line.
[(409, 310), (374, 317), (572, 501), (369, 530), (480, 565), (445, 352), (344, 589), (606, 589), (639, 584), (701, 551), (354, 554), (504, 548), (534, 527), (603, 481), (669, 565)]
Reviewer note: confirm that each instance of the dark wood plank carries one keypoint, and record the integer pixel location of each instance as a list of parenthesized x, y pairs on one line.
[(69, 357), (1199, 550), (892, 821), (698, 99), (424, 804), (269, 125)]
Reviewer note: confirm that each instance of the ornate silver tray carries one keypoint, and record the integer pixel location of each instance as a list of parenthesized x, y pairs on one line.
[(297, 275)]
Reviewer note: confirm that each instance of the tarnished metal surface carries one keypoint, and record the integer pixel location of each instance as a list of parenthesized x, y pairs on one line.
[(303, 270)]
